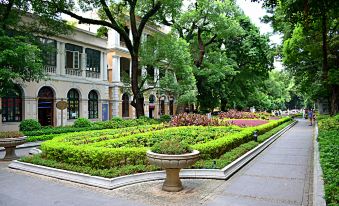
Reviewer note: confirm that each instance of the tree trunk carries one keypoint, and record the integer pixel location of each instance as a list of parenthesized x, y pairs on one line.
[(138, 100), (334, 100), (223, 105), (324, 46)]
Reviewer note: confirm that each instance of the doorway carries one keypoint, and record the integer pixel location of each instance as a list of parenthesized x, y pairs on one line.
[(46, 106)]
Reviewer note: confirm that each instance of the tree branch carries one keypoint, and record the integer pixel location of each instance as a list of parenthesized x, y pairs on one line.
[(212, 40), (148, 15)]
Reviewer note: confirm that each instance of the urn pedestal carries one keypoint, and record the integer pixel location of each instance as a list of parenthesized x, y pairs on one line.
[(173, 164), (10, 144)]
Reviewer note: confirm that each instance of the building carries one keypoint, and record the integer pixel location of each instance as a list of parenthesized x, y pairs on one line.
[(91, 75)]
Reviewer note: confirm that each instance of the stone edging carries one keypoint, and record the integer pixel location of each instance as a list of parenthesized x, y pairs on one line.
[(112, 183), (318, 182)]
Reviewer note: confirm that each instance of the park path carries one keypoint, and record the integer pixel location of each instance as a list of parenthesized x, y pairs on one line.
[(279, 176)]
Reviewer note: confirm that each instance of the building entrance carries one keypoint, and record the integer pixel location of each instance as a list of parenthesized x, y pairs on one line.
[(46, 106)]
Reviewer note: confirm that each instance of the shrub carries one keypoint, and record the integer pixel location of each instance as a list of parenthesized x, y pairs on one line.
[(11, 134), (82, 122), (185, 119), (114, 148), (29, 125), (171, 146), (234, 114), (165, 118)]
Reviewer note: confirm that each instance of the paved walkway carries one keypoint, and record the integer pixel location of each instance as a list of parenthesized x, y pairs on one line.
[(277, 177)]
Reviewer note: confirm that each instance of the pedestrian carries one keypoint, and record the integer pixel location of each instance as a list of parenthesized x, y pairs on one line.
[(310, 116)]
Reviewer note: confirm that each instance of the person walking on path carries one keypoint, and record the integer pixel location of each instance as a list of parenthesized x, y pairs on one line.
[(310, 116)]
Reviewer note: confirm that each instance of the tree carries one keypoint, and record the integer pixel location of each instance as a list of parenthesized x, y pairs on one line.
[(20, 52), (118, 15), (316, 21), (172, 57)]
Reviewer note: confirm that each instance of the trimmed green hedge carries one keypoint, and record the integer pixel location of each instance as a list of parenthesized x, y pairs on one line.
[(329, 153), (132, 169), (130, 149), (48, 133)]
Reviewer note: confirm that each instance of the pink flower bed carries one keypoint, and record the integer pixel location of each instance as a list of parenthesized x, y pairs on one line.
[(247, 122), (234, 114)]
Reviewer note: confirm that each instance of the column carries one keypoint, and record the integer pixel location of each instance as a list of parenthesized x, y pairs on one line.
[(58, 59), (104, 67), (83, 62), (102, 56), (156, 76), (115, 103), (116, 68), (62, 54)]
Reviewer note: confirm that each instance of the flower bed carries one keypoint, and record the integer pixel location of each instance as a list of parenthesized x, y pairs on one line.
[(116, 148), (247, 122)]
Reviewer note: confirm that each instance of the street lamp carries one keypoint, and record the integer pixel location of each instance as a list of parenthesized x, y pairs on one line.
[(255, 136)]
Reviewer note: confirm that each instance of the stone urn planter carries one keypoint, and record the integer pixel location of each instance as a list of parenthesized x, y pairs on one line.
[(172, 164), (10, 144)]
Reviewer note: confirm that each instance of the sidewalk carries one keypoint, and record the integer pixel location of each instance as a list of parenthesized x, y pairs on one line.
[(277, 177)]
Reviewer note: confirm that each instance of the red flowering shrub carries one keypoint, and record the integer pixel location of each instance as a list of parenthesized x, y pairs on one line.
[(185, 119), (247, 122), (234, 114)]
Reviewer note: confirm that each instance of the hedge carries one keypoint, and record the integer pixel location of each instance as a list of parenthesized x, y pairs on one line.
[(49, 132), (329, 153), (132, 169), (130, 149)]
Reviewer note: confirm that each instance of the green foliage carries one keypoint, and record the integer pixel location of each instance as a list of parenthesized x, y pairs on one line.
[(112, 148), (29, 125), (108, 173), (171, 146), (82, 122), (165, 118), (11, 134), (50, 132), (328, 148)]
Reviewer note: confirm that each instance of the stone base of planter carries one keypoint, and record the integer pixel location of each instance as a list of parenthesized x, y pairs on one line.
[(10, 154), (172, 182)]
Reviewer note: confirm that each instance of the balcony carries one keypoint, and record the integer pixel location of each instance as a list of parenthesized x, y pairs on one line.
[(91, 74), (74, 72), (50, 69)]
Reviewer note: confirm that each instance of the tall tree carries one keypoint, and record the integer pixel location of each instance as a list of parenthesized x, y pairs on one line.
[(118, 15)]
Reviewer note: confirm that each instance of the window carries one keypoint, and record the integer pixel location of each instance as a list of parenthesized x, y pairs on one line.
[(93, 60), (92, 105), (124, 69), (49, 54), (150, 74), (12, 106), (73, 60), (73, 104), (125, 105)]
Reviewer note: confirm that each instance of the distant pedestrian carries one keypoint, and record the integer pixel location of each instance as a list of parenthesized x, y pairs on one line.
[(310, 116)]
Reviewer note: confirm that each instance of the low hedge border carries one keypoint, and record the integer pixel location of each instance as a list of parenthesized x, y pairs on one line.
[(329, 153), (221, 162), (49, 132), (102, 157)]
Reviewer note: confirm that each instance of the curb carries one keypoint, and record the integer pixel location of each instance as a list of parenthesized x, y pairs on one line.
[(318, 182), (112, 183)]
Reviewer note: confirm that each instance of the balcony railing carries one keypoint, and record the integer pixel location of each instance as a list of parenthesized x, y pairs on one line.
[(74, 72), (50, 69), (91, 74)]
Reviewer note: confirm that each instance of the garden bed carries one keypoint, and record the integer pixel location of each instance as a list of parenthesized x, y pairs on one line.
[(111, 153)]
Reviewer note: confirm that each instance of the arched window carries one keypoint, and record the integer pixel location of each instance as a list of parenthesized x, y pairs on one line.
[(73, 104), (92, 105), (125, 105), (12, 106)]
